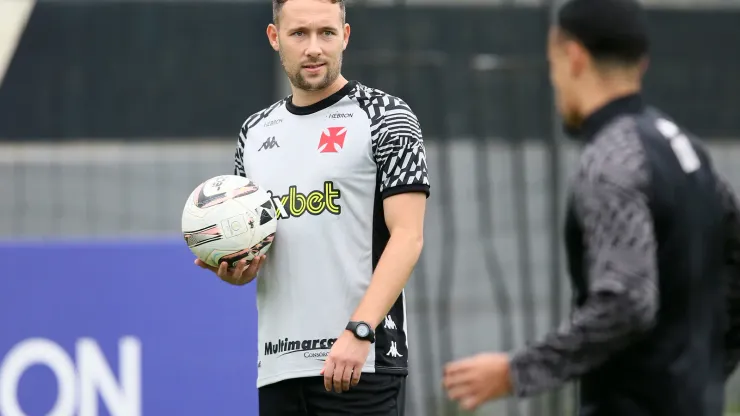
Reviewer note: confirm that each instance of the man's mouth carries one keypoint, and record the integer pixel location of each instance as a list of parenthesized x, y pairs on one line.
[(313, 66)]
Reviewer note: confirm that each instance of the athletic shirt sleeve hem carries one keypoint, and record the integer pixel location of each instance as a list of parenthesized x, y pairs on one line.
[(402, 189)]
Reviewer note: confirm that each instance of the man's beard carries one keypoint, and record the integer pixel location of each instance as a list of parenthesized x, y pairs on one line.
[(296, 78), (572, 123)]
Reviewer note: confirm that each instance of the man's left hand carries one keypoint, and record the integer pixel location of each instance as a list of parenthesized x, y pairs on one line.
[(478, 379), (343, 366)]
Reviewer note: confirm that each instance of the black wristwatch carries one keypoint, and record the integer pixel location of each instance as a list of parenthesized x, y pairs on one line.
[(361, 330)]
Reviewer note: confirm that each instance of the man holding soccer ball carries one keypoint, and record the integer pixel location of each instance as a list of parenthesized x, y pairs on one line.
[(346, 168)]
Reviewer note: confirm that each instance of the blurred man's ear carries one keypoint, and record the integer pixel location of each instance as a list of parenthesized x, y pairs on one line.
[(578, 57), (644, 65)]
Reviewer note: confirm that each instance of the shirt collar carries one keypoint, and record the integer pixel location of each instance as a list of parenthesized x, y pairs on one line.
[(320, 105), (628, 104)]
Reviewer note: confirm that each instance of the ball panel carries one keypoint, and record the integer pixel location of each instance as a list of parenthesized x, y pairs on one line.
[(228, 218), (202, 236), (221, 189), (258, 249)]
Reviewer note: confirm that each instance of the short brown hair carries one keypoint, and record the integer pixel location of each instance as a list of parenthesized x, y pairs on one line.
[(278, 4)]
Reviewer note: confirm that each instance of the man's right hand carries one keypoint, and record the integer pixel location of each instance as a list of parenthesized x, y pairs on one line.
[(240, 275)]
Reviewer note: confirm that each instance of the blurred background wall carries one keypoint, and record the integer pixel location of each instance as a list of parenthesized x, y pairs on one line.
[(111, 112)]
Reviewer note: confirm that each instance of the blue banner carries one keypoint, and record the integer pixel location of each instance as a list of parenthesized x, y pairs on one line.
[(124, 327)]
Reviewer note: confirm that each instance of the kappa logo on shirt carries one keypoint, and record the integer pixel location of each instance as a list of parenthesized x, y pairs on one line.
[(269, 144), (332, 139), (389, 324), (295, 204), (393, 351)]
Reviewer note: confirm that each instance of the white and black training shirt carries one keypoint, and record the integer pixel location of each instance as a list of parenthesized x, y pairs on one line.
[(328, 167)]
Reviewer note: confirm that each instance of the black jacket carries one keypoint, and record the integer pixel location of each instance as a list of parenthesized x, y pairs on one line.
[(650, 232)]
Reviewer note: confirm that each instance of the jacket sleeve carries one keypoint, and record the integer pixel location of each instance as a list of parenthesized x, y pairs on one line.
[(612, 207), (732, 249)]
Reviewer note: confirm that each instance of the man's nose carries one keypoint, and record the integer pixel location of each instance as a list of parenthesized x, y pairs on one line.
[(314, 47)]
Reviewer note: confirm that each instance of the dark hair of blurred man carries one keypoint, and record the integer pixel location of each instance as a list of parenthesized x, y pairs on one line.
[(652, 238)]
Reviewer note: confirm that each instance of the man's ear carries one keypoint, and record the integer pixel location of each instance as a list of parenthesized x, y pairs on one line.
[(346, 35), (272, 36), (578, 58)]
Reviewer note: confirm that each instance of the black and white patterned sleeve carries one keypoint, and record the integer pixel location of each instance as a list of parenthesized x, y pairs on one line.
[(732, 248), (399, 150), (239, 168), (622, 299)]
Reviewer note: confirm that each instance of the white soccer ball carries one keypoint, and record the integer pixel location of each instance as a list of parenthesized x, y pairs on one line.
[(228, 218)]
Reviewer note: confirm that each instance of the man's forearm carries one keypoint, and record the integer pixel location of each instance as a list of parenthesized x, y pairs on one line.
[(603, 326), (390, 277)]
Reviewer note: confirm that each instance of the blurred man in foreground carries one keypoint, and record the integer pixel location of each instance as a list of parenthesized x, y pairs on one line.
[(652, 236)]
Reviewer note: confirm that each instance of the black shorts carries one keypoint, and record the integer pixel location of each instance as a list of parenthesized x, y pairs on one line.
[(374, 395)]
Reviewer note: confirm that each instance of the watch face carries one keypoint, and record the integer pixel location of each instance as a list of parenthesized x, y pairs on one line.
[(363, 330)]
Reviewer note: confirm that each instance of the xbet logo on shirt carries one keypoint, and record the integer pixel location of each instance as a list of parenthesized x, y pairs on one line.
[(295, 204)]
